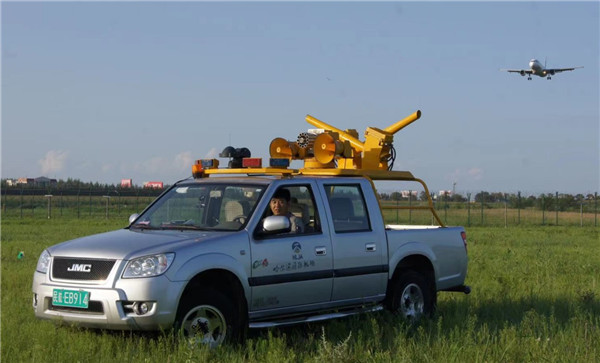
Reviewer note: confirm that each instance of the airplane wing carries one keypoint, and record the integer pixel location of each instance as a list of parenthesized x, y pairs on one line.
[(521, 71), (558, 70)]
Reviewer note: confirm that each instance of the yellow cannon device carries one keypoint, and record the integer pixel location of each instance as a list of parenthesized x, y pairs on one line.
[(375, 153), (324, 148)]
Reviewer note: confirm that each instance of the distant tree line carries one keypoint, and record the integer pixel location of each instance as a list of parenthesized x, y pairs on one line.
[(75, 186), (548, 201), (71, 183)]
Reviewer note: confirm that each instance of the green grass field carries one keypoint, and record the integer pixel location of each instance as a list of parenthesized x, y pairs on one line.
[(536, 298)]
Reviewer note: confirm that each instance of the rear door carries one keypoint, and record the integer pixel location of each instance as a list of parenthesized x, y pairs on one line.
[(358, 240)]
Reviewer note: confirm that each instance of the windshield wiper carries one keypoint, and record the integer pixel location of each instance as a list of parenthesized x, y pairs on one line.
[(142, 226), (181, 227)]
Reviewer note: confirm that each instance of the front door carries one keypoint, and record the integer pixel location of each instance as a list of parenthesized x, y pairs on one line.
[(295, 268)]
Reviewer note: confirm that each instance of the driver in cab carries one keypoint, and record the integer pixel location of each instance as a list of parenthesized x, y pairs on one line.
[(280, 206)]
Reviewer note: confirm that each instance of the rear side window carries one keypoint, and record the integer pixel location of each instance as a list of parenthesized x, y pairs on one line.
[(348, 208)]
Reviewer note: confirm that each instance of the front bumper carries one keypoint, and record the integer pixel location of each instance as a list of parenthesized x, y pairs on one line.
[(112, 306)]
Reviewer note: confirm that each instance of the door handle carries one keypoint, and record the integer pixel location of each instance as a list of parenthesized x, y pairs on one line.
[(370, 247), (320, 251)]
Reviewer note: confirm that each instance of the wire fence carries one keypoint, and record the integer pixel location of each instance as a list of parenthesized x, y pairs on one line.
[(549, 210), (79, 203), (546, 211)]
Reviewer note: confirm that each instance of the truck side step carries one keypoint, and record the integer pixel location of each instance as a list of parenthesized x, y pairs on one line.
[(313, 318)]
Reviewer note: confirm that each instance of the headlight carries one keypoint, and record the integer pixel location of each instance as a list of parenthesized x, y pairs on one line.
[(43, 262), (148, 266)]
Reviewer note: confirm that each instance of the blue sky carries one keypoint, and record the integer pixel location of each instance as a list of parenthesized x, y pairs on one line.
[(106, 91)]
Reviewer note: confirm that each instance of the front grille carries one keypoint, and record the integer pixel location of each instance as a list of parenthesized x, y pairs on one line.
[(94, 307), (81, 269)]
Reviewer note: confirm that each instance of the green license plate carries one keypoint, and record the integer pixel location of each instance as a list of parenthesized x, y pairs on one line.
[(71, 298)]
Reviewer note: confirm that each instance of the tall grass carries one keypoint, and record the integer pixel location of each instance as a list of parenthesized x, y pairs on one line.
[(536, 297)]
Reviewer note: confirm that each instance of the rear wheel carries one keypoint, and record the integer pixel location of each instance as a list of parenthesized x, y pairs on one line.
[(412, 296), (208, 317)]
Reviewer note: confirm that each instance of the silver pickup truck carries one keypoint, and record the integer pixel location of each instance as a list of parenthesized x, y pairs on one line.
[(208, 258)]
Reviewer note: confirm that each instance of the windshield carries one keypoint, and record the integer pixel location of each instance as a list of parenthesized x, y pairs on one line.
[(222, 207)]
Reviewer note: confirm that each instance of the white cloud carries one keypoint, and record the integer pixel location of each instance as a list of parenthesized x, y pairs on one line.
[(183, 160), (212, 153), (163, 167), (53, 162), (475, 173), (154, 165)]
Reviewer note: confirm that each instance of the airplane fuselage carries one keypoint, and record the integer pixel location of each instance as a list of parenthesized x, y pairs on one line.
[(538, 69)]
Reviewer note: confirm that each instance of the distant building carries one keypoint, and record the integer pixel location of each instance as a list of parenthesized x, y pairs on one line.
[(447, 193), (406, 193), (26, 181), (42, 181), (153, 184), (126, 183), (11, 182)]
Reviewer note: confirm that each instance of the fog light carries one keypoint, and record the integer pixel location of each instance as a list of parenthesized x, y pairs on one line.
[(142, 308)]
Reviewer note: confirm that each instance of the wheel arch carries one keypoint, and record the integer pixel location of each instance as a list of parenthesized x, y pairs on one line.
[(418, 263), (224, 281)]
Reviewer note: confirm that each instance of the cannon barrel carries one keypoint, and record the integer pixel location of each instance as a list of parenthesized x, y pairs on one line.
[(403, 123), (356, 143)]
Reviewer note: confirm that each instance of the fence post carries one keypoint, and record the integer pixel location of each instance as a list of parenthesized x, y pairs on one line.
[(49, 196), (482, 195), (596, 209), (581, 212), (78, 212), (434, 207), (543, 210), (556, 208), (21, 203), (445, 207), (519, 208), (90, 201), (505, 211), (469, 209), (410, 207), (107, 200), (397, 220)]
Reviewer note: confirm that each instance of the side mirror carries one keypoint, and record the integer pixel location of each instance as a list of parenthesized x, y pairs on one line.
[(275, 225), (133, 217)]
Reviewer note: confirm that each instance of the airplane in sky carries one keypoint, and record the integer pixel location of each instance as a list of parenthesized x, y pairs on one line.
[(536, 68)]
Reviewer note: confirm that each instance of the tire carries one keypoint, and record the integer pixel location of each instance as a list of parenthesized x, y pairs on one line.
[(412, 296), (208, 317)]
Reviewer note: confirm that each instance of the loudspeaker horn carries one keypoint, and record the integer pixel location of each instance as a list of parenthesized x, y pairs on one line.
[(326, 148), (281, 148)]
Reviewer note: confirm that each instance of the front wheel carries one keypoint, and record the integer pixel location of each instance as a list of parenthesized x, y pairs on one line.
[(412, 296), (208, 318)]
